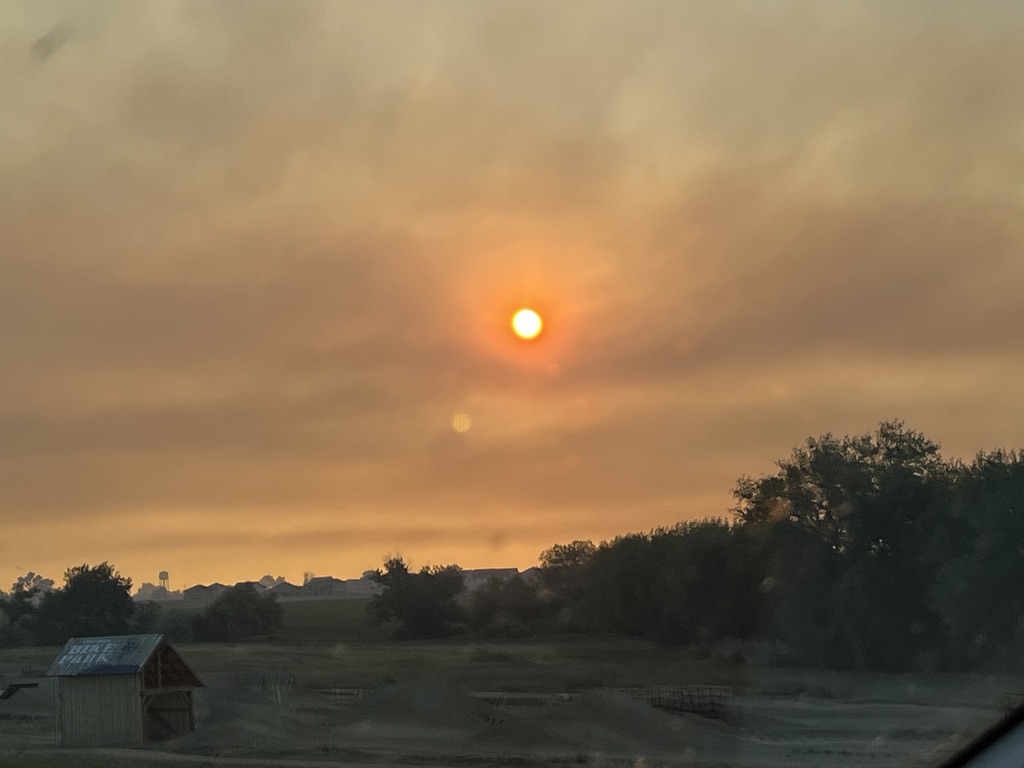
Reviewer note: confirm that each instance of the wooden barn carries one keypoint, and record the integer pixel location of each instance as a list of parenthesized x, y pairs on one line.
[(121, 690)]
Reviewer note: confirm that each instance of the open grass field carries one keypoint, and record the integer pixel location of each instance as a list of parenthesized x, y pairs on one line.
[(353, 698), (64, 760), (337, 621)]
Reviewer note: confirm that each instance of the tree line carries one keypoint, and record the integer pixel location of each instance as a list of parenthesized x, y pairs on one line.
[(868, 552), (96, 601)]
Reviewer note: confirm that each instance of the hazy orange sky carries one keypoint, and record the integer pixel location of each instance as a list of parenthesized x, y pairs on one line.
[(255, 256)]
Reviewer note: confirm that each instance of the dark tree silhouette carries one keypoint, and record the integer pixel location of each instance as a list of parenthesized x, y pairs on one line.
[(420, 605), (977, 592), (94, 600), (867, 552), (240, 612), (875, 527), (507, 608)]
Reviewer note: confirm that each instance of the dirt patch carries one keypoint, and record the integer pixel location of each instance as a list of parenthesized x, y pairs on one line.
[(414, 718), (433, 704), (235, 720), (612, 724), (436, 723)]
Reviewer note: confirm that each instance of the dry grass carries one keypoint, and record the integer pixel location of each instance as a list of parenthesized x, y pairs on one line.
[(80, 760), (421, 713)]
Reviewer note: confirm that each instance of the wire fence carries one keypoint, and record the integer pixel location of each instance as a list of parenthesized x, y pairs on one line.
[(275, 685), (704, 700)]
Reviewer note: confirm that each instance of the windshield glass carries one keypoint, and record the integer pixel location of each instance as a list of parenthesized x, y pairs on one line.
[(496, 382)]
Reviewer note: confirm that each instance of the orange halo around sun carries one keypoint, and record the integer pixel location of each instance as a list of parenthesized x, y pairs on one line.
[(527, 324)]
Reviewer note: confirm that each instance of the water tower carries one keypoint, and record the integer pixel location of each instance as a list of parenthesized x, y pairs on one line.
[(165, 580)]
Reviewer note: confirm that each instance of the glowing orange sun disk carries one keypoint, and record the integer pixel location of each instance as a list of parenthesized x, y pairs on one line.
[(527, 324)]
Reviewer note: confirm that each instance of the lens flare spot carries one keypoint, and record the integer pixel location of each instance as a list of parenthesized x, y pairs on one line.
[(461, 422)]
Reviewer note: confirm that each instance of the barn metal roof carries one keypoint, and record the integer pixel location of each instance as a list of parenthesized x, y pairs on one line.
[(115, 655)]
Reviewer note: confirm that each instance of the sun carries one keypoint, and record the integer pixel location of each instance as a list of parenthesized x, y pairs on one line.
[(527, 324)]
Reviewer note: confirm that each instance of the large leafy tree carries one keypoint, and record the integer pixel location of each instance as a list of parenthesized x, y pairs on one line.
[(240, 612), (95, 600), (622, 588), (31, 582), (26, 594), (18, 622), (420, 605), (977, 592), (565, 570), (877, 526), (691, 583), (822, 482), (507, 608), (797, 590)]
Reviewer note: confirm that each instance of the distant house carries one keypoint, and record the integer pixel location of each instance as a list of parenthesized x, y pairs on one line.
[(284, 590), (198, 592), (121, 690), (328, 586), (205, 592), (153, 592), (362, 587), (323, 586), (254, 584), (531, 575)]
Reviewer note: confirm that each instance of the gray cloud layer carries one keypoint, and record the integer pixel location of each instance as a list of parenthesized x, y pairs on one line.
[(255, 255)]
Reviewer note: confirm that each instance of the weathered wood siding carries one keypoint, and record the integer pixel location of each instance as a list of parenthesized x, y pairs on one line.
[(98, 711)]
